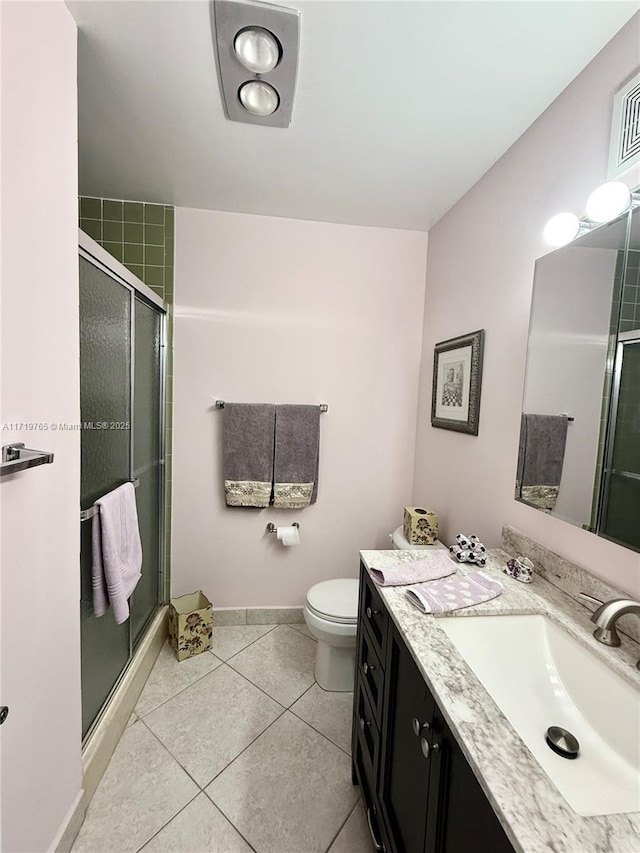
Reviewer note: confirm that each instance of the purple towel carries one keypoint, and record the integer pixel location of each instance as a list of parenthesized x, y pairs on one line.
[(454, 593), (116, 552), (438, 565)]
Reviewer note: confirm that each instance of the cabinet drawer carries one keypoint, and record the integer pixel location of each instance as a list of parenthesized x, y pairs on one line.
[(367, 733), (374, 615), (371, 674)]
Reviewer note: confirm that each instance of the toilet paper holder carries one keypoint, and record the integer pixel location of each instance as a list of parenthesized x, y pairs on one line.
[(271, 528)]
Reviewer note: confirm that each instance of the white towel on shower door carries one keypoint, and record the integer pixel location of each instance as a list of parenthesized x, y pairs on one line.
[(116, 552)]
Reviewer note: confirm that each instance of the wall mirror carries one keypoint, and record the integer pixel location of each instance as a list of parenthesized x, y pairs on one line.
[(579, 453)]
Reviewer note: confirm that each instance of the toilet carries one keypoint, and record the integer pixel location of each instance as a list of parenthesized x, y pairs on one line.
[(331, 614)]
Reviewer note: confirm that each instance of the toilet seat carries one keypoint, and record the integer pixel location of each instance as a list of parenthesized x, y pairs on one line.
[(335, 600)]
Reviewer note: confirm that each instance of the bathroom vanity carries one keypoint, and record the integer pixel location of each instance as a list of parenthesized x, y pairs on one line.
[(441, 768)]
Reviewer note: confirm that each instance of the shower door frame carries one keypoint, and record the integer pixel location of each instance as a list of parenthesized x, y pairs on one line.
[(623, 339), (93, 252)]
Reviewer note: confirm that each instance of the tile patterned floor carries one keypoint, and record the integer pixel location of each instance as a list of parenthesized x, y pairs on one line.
[(233, 751)]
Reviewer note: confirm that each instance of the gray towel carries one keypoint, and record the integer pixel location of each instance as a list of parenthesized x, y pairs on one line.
[(248, 437), (295, 479), (116, 552), (543, 439)]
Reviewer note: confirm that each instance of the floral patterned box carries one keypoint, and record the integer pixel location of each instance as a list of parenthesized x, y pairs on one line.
[(420, 526), (190, 624)]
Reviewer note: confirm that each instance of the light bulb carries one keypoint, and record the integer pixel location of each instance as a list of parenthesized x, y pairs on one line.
[(562, 229), (257, 49), (259, 98), (608, 201)]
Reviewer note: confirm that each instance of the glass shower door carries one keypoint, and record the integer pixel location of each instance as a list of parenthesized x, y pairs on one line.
[(621, 516), (121, 393), (105, 398)]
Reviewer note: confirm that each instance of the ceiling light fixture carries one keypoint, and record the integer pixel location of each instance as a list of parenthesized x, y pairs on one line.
[(259, 98), (257, 49)]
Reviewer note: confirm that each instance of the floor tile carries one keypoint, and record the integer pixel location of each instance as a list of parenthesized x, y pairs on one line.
[(210, 722), (132, 719), (304, 630), (280, 663), (228, 640), (354, 837), (289, 792), (329, 713), (142, 788), (169, 676), (199, 827)]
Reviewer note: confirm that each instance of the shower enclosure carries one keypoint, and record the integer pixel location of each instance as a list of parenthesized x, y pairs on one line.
[(621, 485), (122, 369)]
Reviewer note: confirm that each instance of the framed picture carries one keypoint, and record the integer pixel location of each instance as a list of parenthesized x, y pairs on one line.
[(457, 379)]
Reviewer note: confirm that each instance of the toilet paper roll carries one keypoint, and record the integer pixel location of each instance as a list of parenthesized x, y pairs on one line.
[(289, 535)]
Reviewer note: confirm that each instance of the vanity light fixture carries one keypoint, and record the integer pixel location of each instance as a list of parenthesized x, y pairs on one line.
[(604, 204), (257, 52), (609, 201), (563, 228)]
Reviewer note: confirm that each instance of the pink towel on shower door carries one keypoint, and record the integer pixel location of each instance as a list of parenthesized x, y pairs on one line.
[(116, 552)]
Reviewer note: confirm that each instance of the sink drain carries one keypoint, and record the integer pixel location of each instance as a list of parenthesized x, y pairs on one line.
[(562, 742)]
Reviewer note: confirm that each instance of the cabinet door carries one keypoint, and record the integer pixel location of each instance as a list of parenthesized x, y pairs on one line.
[(461, 818), (406, 760)]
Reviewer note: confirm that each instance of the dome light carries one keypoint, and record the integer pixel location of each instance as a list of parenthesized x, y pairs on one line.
[(608, 201), (257, 49), (562, 229), (259, 98)]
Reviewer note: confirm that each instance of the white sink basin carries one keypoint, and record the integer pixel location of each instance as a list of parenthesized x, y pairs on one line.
[(540, 676)]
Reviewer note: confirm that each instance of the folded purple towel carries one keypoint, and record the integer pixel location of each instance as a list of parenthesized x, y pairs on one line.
[(454, 593), (437, 565)]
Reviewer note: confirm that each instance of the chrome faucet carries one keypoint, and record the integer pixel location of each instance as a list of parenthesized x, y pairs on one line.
[(606, 616)]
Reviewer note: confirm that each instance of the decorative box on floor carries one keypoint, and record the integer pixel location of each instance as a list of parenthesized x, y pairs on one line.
[(420, 526), (190, 624)]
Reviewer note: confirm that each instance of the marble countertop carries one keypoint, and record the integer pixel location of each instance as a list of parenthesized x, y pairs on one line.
[(535, 815)]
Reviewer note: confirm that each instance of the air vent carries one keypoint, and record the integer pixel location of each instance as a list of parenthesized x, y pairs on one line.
[(625, 129)]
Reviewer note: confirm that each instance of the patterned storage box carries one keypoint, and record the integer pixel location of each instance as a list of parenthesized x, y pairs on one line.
[(420, 526), (190, 624)]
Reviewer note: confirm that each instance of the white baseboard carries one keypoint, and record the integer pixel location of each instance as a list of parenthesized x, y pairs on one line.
[(70, 826)]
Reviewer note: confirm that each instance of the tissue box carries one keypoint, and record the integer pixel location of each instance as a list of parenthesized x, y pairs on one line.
[(420, 526), (190, 624)]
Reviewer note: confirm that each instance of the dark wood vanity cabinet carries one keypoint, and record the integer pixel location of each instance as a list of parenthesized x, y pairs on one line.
[(420, 793)]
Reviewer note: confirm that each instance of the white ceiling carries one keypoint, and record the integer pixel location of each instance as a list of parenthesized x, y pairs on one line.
[(400, 106)]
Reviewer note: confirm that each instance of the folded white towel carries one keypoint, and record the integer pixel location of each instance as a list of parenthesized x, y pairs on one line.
[(116, 552), (435, 566), (454, 593)]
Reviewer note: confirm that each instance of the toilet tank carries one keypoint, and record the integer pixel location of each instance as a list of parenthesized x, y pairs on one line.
[(400, 543)]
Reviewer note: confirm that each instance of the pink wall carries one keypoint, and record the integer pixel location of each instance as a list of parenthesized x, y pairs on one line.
[(280, 310), (480, 275), (39, 520)]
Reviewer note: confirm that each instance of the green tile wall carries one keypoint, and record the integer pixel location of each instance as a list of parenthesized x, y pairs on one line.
[(141, 236)]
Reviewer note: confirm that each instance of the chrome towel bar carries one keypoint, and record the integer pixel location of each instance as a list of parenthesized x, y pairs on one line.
[(16, 457), (86, 514), (324, 407)]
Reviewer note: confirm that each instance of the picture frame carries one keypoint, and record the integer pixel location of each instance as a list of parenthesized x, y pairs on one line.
[(457, 383)]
